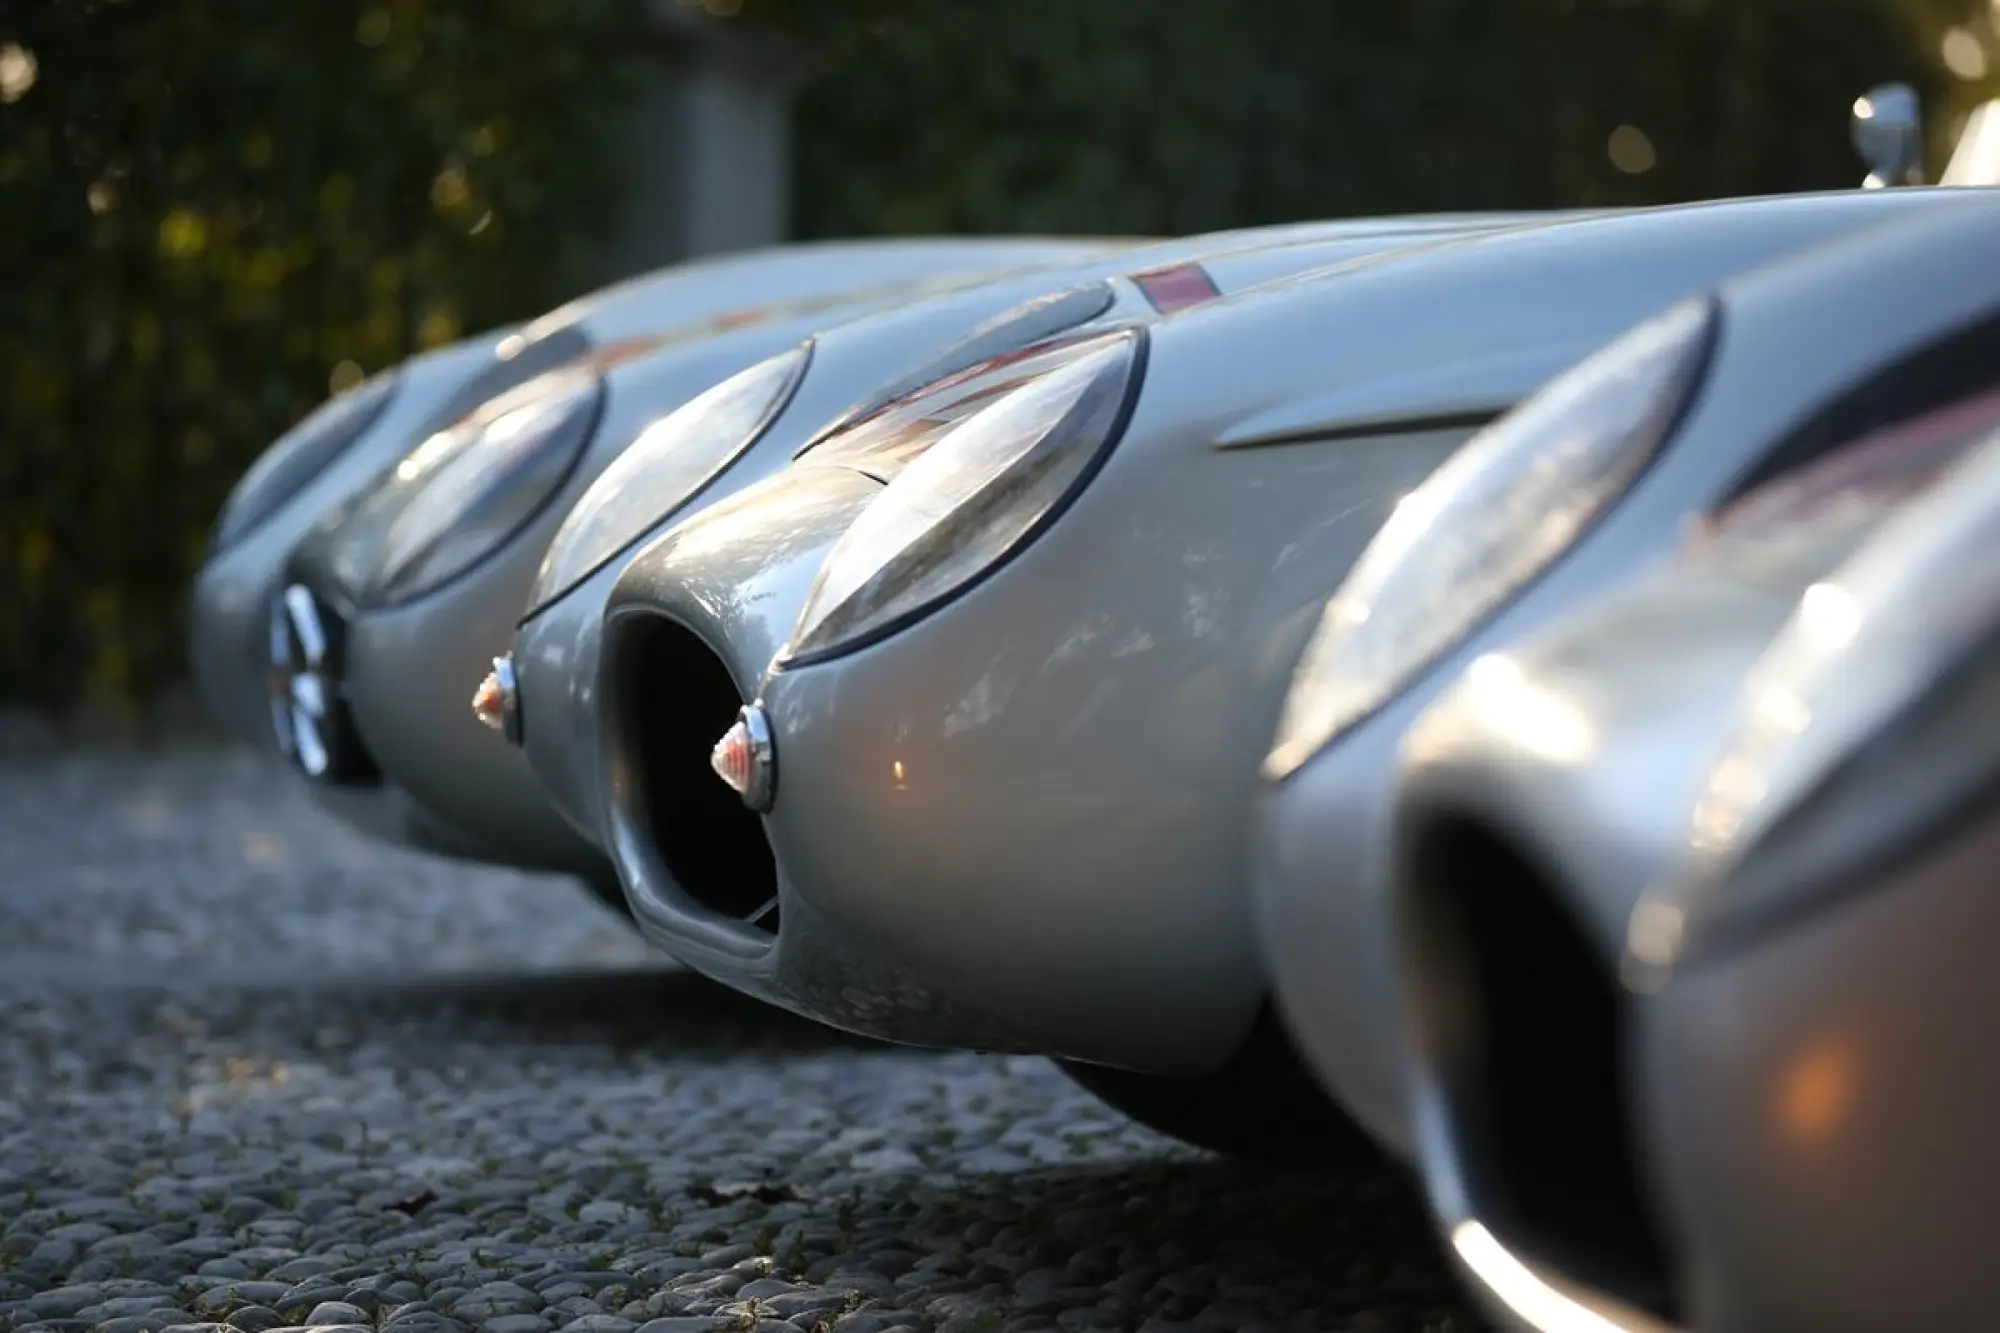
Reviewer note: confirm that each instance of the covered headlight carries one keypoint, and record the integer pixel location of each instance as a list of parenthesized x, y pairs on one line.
[(1873, 718), (979, 494), (1029, 324), (1488, 522), (300, 454), (460, 494), (884, 440), (669, 463)]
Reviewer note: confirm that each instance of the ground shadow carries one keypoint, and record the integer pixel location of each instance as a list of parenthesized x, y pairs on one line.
[(1352, 1246)]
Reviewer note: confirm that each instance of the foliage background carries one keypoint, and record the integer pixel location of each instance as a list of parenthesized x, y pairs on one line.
[(215, 210), (1040, 114), (211, 211)]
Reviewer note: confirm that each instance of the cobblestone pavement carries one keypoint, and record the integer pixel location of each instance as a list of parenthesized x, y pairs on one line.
[(255, 1071)]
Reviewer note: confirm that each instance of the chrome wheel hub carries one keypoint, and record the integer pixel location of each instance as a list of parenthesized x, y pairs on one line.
[(308, 711)]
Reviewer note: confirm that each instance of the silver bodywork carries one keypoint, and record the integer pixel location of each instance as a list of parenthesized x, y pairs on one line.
[(231, 597), (1827, 1145), (556, 650), (1791, 1094), (406, 666), (1022, 823), (1321, 873), (1812, 1052), (1580, 757)]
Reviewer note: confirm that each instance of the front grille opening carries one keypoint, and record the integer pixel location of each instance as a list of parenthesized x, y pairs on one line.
[(1519, 1022), (674, 699)]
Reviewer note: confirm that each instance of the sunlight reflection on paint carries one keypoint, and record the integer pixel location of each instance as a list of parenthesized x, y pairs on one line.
[(1517, 1287)]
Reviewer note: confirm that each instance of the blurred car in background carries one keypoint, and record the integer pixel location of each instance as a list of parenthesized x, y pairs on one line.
[(348, 442), (1572, 759), (1576, 493), (914, 371), (1550, 782), (1811, 1042), (1004, 757)]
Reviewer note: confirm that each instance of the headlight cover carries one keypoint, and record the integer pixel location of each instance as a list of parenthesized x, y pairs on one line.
[(299, 455), (465, 490), (1811, 517), (1875, 713), (977, 496), (670, 462), (1028, 324), (885, 441), (1488, 521)]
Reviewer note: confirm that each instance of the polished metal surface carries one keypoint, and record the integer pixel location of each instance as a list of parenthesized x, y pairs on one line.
[(1028, 814), (410, 667), (556, 648), (1801, 1081), (229, 620), (1887, 126), (1571, 755), (1820, 1110), (1322, 877)]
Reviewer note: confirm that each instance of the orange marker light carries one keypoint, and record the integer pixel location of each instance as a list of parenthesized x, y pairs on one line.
[(732, 758), (744, 758), (488, 703)]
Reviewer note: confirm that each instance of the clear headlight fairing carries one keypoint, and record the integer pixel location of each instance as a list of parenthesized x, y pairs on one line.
[(299, 455), (1809, 518), (1490, 520), (1027, 324), (885, 441), (1875, 710), (670, 462), (465, 490), (979, 494)]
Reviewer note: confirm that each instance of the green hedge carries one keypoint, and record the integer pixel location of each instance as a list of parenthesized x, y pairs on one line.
[(1179, 115), (210, 210), (213, 210)]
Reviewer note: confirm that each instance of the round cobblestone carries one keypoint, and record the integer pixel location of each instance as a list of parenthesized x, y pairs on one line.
[(258, 1073)]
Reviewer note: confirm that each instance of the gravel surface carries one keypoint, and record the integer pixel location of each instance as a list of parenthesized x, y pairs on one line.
[(256, 1072)]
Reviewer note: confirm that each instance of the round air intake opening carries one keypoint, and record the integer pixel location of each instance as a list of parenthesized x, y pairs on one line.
[(1518, 1025), (673, 698)]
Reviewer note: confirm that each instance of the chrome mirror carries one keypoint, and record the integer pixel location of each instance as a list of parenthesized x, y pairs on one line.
[(1887, 127)]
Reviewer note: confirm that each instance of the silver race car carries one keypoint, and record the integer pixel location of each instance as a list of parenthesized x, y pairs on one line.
[(1574, 494), (1538, 797), (1005, 754), (350, 440), (543, 694)]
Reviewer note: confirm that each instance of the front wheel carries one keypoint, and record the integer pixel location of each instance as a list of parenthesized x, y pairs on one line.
[(1277, 1116)]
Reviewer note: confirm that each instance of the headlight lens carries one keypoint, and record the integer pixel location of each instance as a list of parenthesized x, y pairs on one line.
[(669, 463), (1025, 325), (1491, 519), (465, 490), (979, 494), (1875, 711), (1809, 518), (299, 455), (517, 358), (885, 440)]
